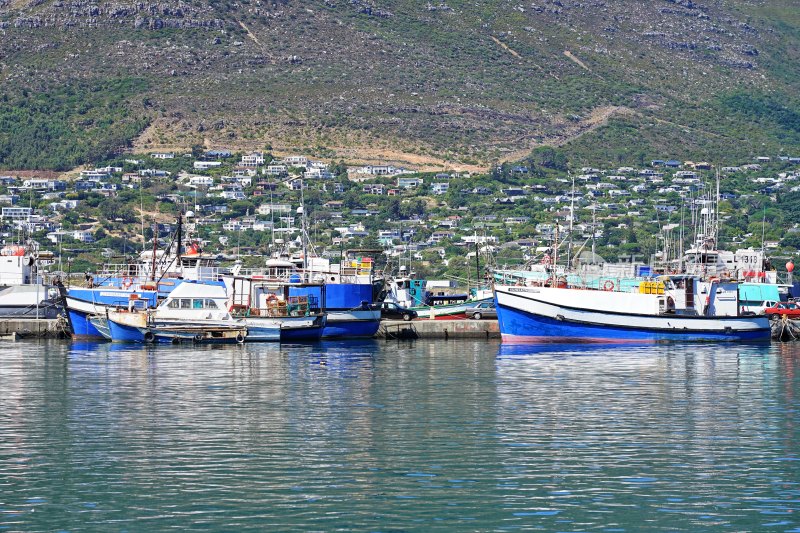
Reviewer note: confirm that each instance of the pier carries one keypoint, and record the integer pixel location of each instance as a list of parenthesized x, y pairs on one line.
[(439, 329), (17, 328)]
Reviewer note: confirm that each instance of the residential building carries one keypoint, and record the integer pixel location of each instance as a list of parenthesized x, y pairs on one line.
[(440, 188), (318, 173), (409, 183), (254, 159), (206, 165), (16, 213), (201, 181)]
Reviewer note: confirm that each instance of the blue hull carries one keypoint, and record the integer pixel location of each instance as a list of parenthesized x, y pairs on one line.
[(311, 333), (519, 326), (82, 328), (122, 333), (350, 329), (88, 302), (263, 334)]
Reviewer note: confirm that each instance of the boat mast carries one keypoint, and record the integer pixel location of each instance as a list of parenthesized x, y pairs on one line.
[(571, 220), (555, 251), (477, 266), (594, 231), (180, 239), (155, 249), (304, 234), (716, 215), (680, 244)]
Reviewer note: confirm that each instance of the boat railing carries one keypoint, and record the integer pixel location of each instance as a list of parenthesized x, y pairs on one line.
[(294, 306), (121, 270)]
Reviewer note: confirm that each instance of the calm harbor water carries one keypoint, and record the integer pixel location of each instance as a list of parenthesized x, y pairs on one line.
[(388, 436)]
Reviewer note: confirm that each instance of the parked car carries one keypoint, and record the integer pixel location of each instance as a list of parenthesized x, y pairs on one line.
[(392, 311), (790, 309), (482, 310)]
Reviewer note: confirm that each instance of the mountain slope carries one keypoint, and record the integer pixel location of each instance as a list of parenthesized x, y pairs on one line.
[(455, 83)]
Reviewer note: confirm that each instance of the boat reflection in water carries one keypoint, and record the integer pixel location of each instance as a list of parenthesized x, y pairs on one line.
[(577, 349)]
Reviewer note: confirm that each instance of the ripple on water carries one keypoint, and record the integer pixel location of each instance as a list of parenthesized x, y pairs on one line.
[(405, 436)]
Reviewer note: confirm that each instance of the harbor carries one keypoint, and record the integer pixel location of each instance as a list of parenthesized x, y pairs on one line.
[(372, 435)]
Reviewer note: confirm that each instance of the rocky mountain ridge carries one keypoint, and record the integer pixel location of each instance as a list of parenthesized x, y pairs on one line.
[(454, 82)]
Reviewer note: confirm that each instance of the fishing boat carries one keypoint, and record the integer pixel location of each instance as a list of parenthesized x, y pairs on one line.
[(298, 318), (344, 293), (673, 308), (429, 300), (196, 312), (148, 279), (24, 292)]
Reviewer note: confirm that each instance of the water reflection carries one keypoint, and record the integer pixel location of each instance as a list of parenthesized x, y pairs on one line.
[(381, 435)]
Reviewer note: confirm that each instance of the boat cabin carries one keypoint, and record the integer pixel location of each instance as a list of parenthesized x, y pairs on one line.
[(688, 295)]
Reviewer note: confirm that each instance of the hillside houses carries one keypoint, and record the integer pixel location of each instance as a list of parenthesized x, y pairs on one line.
[(422, 213)]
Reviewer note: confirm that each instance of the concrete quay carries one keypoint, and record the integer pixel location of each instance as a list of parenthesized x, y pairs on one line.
[(18, 328), (439, 329)]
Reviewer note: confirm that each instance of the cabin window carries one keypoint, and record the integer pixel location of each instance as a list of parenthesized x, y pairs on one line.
[(186, 303), (197, 303), (174, 304), (211, 304)]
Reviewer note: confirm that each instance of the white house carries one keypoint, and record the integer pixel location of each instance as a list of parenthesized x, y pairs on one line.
[(201, 181), (318, 173), (205, 165), (96, 174), (408, 183), (276, 170), (16, 213), (296, 161), (266, 209), (64, 205), (440, 188), (163, 155), (233, 194), (252, 160), (79, 235)]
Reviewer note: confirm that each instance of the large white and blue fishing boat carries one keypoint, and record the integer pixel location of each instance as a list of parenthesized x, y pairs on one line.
[(673, 308)]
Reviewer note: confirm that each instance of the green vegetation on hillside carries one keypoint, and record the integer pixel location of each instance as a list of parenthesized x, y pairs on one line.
[(59, 128), (458, 82)]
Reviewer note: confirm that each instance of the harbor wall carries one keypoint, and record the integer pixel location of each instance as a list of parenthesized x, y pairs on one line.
[(440, 329), (12, 328)]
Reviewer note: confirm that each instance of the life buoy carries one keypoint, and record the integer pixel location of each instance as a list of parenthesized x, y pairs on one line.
[(608, 285), (127, 283)]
